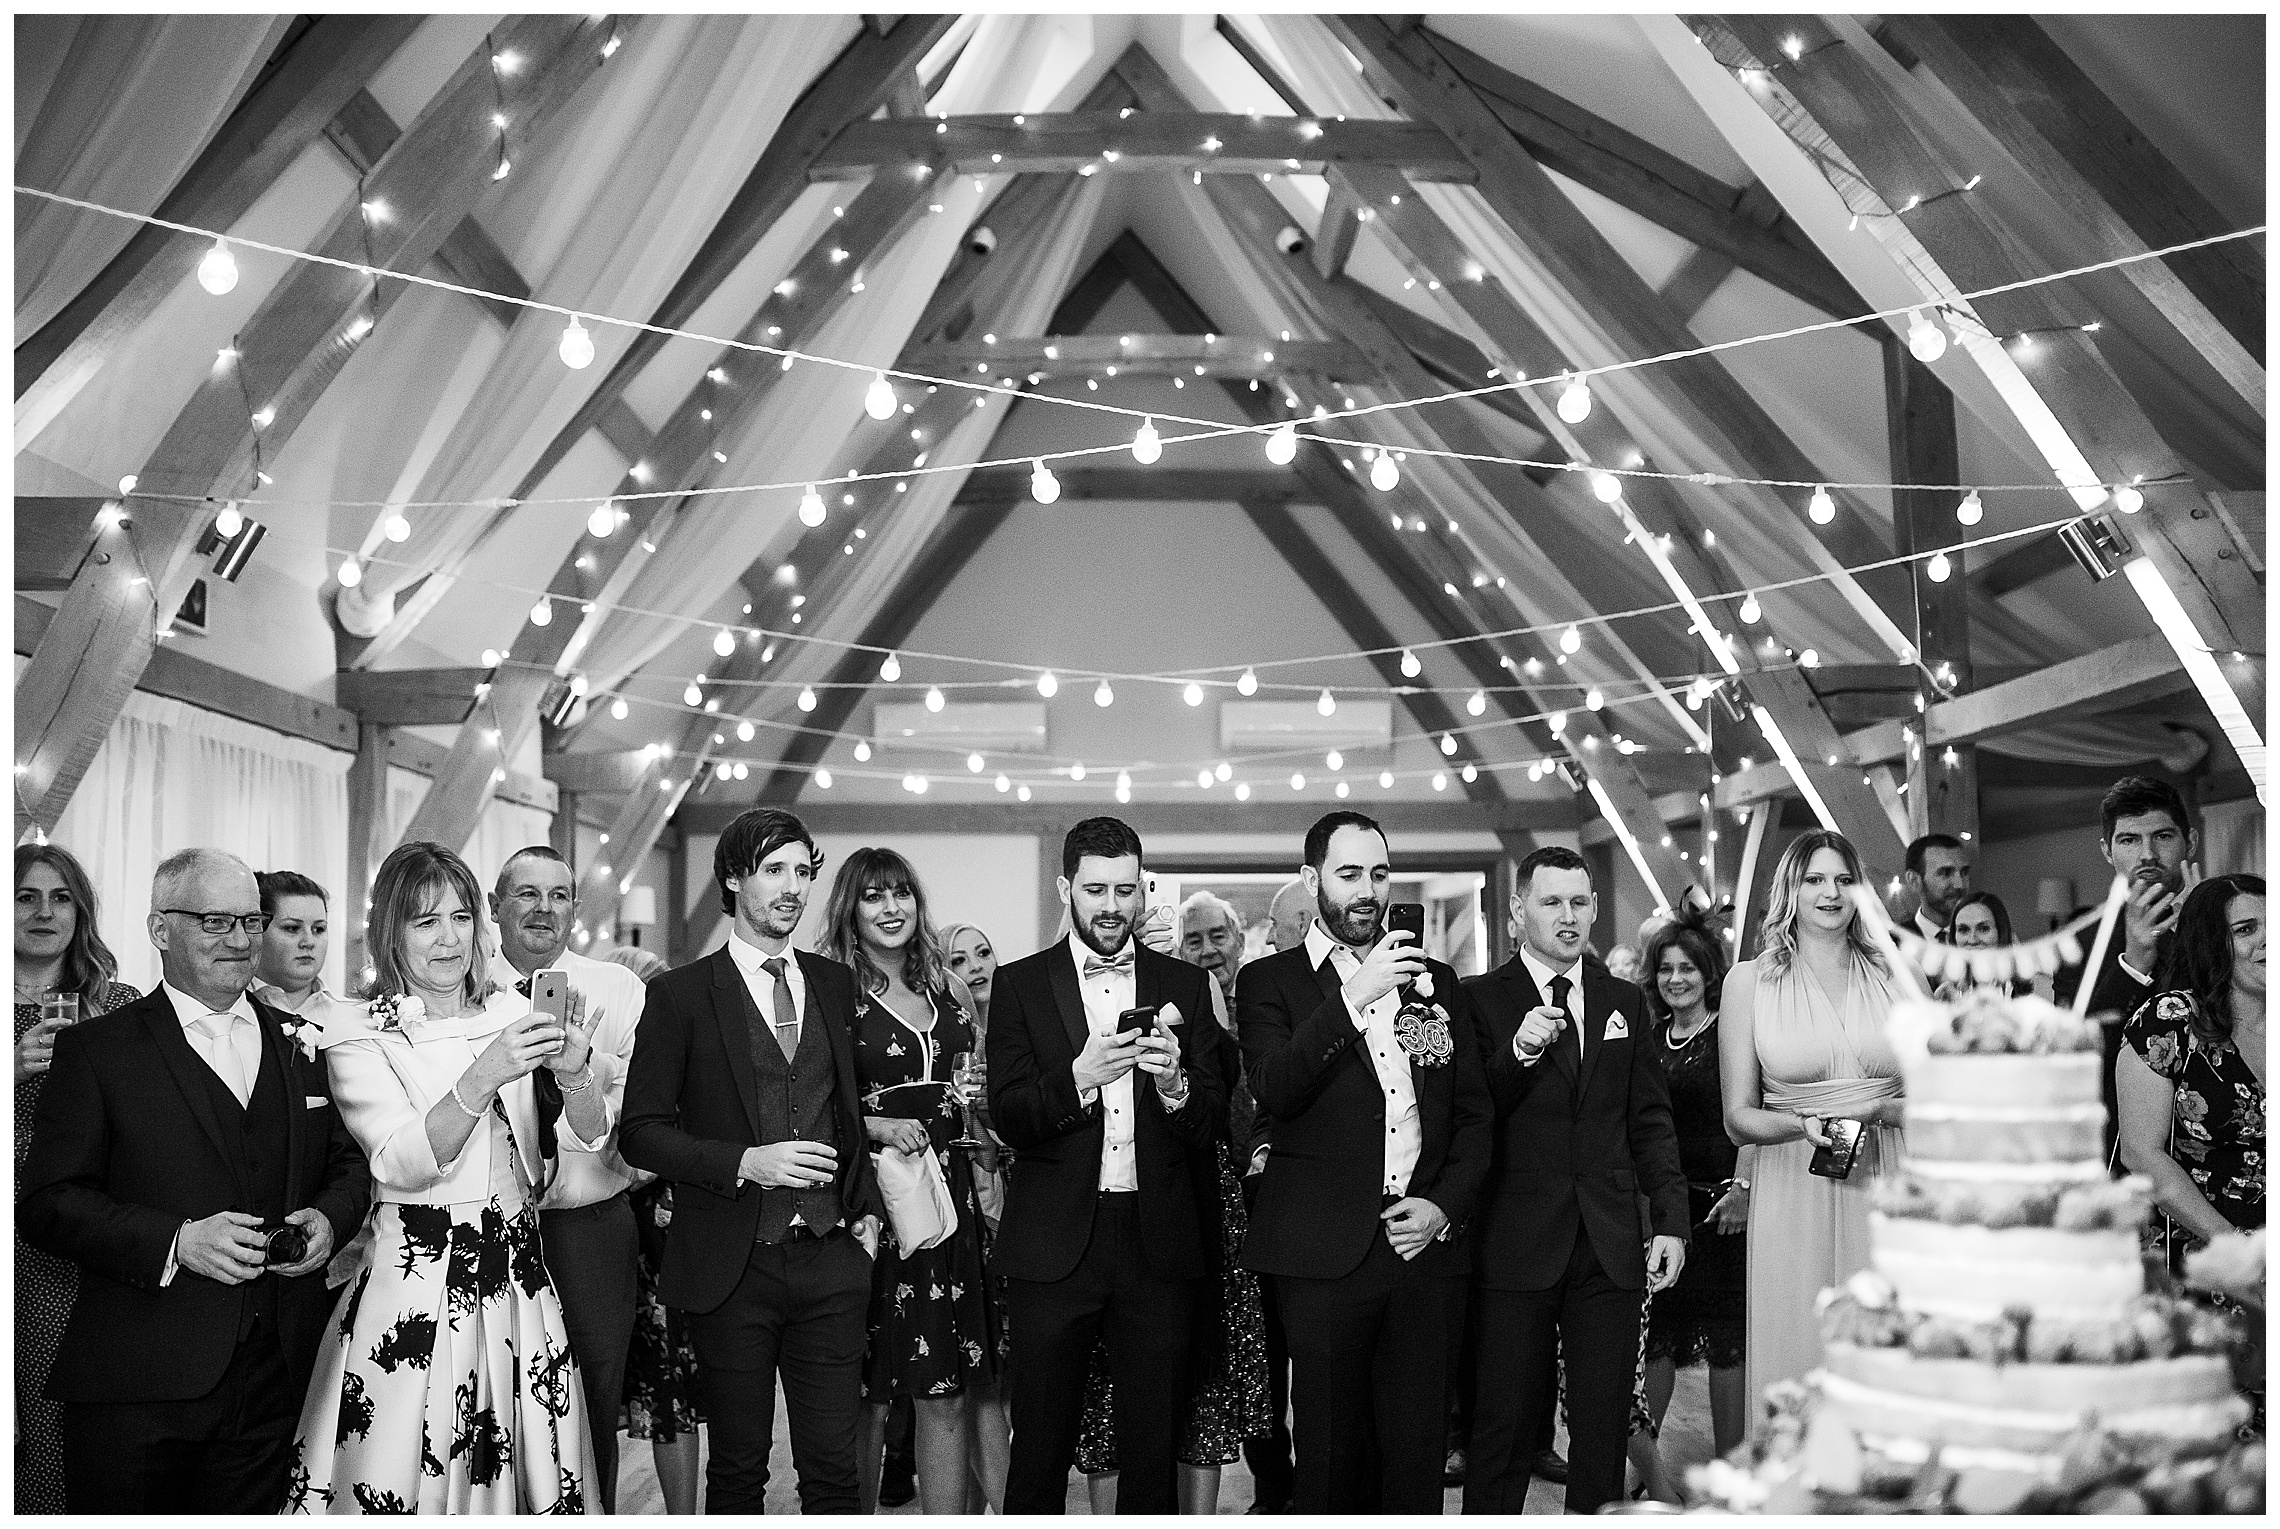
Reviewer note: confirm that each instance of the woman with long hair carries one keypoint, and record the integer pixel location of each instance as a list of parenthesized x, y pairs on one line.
[(1981, 922), (448, 1384), (1802, 1049), (972, 959), (59, 953), (935, 1331)]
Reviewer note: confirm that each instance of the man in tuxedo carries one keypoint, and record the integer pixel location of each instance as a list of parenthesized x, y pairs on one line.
[(1938, 873), (1107, 1231), (177, 1138), (1365, 1054), (742, 1092), (585, 1221), (1583, 1128)]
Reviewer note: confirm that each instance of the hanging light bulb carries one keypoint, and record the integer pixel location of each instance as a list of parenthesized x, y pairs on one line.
[(351, 573), (1971, 510), (1043, 486), (974, 763), (1248, 684), (1471, 772), (619, 710), (1821, 507), (1021, 793), (577, 349), (811, 508), (890, 670), (1383, 473), (1571, 640), (1326, 705), (723, 643), (543, 612), (490, 658), (862, 750), (1926, 341), (395, 527), (807, 698), (692, 694), (1297, 781), (1410, 667), (229, 522), (1385, 780), (1478, 703), (934, 700), (1751, 610), (1102, 695), (1593, 699), (823, 780), (604, 519), (1002, 783), (1203, 779), (1047, 685), (1440, 781), (1606, 487), (880, 401), (1557, 722), (1147, 446), (744, 731), (218, 272), (1282, 444), (2128, 499), (1334, 761), (1193, 695), (1575, 402), (127, 483), (1938, 568), (1224, 771), (1448, 743)]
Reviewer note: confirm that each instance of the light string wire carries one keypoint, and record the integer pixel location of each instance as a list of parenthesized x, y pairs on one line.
[(1209, 429)]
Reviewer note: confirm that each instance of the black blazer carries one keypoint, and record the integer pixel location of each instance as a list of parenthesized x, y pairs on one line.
[(1037, 1027), (692, 1108), (1576, 1144), (126, 1146), (1323, 1189)]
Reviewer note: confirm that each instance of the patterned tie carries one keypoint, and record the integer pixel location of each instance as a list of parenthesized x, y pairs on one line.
[(1097, 965), (1561, 987), (224, 1054), (786, 1024)]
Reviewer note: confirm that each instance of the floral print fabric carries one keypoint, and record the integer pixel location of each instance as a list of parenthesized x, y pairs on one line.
[(2217, 1115)]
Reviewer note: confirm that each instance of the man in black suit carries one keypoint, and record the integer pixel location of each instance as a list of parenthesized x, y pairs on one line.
[(742, 1092), (176, 1137), (1583, 1128), (1107, 1233), (1365, 1054)]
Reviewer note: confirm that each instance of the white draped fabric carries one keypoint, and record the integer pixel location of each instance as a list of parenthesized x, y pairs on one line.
[(113, 109), (172, 776), (503, 828)]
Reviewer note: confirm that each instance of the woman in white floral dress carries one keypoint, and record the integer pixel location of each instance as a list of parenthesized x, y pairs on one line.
[(447, 1385)]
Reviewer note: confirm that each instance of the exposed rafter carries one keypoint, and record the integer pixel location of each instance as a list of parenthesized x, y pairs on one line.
[(1112, 142), (1135, 355)]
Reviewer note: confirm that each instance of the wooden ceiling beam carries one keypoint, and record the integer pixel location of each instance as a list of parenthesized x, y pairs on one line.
[(1453, 359), (1137, 355), (1149, 819), (411, 697), (1212, 143), (1142, 485)]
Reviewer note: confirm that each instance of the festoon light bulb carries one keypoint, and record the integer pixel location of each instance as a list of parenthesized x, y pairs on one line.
[(1971, 510), (1193, 695), (1248, 683), (1147, 445), (1821, 507), (1478, 703), (218, 272), (1282, 445), (1938, 568), (604, 519), (1043, 486), (1606, 487), (812, 511), (577, 349), (395, 527), (1751, 610), (1571, 640), (1927, 342), (229, 522), (891, 669), (879, 400), (542, 613), (1047, 684), (1410, 667), (1575, 402), (351, 573), (1326, 705), (1102, 695), (2128, 499), (723, 643), (1384, 474), (807, 698)]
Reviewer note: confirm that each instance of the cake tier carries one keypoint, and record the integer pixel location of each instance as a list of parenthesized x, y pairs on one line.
[(1974, 1272), (2005, 1081), (2006, 1135), (1894, 1399)]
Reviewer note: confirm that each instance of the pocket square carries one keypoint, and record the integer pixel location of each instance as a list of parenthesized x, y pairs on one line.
[(315, 1101), (1617, 1029)]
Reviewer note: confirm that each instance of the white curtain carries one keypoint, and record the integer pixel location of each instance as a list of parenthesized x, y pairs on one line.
[(503, 828), (2232, 838), (172, 776)]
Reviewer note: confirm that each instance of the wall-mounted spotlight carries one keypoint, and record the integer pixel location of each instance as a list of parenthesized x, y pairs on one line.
[(2097, 544), (232, 553)]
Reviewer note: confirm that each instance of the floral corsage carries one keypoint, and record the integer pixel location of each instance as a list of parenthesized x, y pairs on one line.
[(1423, 1031), (391, 1012), (304, 1033)]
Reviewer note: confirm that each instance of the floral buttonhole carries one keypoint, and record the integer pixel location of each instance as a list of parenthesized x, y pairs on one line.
[(393, 1011), (1423, 1031)]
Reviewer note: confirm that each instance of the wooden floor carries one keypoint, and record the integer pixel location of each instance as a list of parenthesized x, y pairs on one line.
[(1685, 1441)]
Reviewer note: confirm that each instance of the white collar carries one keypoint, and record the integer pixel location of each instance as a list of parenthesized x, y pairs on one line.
[(748, 956), (189, 1010), (1539, 969), (1321, 944)]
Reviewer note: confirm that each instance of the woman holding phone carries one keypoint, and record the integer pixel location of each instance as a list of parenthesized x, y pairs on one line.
[(448, 1384), (1808, 1079)]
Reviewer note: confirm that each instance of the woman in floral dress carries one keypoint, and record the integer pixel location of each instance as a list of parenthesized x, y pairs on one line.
[(448, 1385), (935, 1331)]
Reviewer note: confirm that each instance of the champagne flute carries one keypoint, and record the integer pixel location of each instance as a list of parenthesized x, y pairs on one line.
[(966, 1077)]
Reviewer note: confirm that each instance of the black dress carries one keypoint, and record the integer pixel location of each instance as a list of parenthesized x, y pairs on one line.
[(934, 1327), (1702, 1315)]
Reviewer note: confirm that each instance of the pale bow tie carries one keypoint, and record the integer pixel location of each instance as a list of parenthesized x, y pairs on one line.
[(1096, 966)]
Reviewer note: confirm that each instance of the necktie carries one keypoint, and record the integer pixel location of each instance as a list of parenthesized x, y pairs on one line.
[(786, 1024), (1561, 987), (223, 1054), (1120, 962)]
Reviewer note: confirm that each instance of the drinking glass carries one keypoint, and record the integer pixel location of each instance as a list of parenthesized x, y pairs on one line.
[(966, 1078), (59, 1009)]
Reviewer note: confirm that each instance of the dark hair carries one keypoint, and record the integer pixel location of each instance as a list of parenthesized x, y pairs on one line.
[(923, 968), (411, 881), (2136, 795), (1693, 934), (88, 965), (534, 852), (1109, 838), (2199, 958), (757, 833), (279, 884), (1318, 837), (1994, 905), (1552, 857), (1917, 846)]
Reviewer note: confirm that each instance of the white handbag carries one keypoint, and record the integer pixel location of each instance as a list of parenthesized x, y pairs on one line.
[(919, 1208)]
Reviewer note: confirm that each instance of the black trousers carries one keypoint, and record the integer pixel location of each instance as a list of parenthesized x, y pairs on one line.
[(799, 1314), (590, 1253), (1595, 1326), (1148, 1324), (1370, 1355), (1270, 1458), (229, 1451)]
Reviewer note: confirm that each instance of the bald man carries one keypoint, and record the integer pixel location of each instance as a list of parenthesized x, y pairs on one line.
[(1290, 915)]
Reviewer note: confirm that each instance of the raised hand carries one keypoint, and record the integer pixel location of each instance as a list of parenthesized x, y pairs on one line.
[(1393, 962)]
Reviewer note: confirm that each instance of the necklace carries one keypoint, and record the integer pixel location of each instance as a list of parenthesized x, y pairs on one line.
[(1677, 1042)]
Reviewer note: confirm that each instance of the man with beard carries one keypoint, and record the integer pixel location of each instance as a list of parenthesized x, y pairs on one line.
[(1106, 1232), (1938, 872), (2146, 837), (1365, 1055), (585, 1221), (742, 1092)]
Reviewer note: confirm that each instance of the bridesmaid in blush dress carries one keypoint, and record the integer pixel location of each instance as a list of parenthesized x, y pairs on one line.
[(1803, 1045)]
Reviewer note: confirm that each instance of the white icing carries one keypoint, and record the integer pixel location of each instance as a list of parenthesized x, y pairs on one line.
[(1976, 1290), (2193, 1421), (2081, 1170), (2008, 1115)]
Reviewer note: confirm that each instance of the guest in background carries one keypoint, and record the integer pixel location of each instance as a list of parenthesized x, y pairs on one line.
[(586, 1222), (1290, 915), (972, 959), (176, 1137), (660, 1402), (289, 964), (448, 1383), (934, 1333), (1700, 1317), (1624, 965), (1802, 1043), (59, 951), (1938, 876), (1981, 922)]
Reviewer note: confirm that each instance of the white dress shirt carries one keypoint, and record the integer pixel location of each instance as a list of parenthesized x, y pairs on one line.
[(1404, 1133), (244, 1043), (762, 986), (1108, 994), (313, 1004), (1543, 975), (614, 1000)]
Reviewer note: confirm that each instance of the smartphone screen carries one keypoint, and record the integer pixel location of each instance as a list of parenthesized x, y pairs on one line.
[(1835, 1161), (1142, 1020)]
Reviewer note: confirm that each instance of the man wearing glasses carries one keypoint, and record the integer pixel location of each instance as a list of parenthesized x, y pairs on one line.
[(187, 1156)]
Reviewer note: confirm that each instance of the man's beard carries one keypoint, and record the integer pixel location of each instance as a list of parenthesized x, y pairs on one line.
[(1355, 924), (1092, 940)]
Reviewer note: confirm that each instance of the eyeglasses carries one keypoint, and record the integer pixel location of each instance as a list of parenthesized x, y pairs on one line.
[(220, 923)]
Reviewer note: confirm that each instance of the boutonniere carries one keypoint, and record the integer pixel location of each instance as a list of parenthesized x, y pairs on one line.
[(391, 1012), (302, 1033), (1423, 1031)]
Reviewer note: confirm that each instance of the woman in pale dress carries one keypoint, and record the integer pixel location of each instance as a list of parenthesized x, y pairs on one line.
[(447, 1384), (1803, 1044)]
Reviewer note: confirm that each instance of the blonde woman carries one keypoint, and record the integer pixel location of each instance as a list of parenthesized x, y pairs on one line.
[(1802, 1045)]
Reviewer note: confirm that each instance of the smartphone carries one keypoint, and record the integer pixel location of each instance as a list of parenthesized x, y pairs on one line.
[(1142, 1020), (1409, 916), (1163, 892), (1835, 1161), (550, 995)]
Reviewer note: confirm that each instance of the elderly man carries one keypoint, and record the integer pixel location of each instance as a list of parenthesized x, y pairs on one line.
[(1290, 915), (188, 1157)]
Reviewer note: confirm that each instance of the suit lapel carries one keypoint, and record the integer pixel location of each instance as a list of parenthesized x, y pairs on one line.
[(1598, 1008), (730, 999), (1061, 972), (190, 1073), (279, 1053)]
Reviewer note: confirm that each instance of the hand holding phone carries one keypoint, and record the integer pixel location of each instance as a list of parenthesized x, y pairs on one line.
[(1833, 1159), (550, 995), (1411, 916)]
